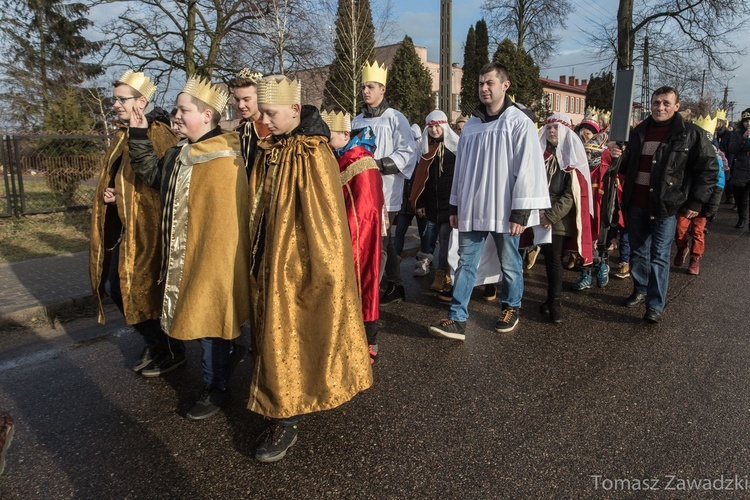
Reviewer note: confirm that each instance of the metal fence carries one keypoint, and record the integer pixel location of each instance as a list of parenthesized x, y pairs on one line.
[(49, 173)]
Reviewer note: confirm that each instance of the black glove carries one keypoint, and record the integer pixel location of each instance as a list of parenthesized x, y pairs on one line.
[(387, 166)]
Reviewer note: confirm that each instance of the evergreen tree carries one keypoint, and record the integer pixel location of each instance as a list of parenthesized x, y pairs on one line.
[(470, 77), (600, 92), (482, 54), (354, 46), (410, 84), (46, 56), (525, 86)]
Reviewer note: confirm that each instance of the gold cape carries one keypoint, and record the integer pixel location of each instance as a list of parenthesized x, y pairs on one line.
[(136, 224), (309, 342), (206, 289)]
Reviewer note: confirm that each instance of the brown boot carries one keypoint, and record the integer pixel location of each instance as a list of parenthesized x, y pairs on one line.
[(623, 271), (695, 265), (441, 282)]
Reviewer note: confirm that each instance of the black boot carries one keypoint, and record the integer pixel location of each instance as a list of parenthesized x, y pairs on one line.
[(740, 223), (555, 311)]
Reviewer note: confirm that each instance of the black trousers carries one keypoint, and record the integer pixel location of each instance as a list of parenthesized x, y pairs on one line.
[(553, 264)]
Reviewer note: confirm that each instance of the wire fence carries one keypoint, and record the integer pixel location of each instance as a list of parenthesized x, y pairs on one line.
[(49, 173)]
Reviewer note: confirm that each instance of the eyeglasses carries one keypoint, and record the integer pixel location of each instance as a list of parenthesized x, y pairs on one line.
[(121, 100)]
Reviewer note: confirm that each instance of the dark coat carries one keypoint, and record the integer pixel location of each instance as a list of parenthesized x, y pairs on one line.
[(684, 168), (739, 147), (432, 182)]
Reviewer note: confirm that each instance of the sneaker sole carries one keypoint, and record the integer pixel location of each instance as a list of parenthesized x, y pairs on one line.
[(159, 373), (446, 335), (204, 416), (506, 329), (391, 302), (141, 365), (275, 458)]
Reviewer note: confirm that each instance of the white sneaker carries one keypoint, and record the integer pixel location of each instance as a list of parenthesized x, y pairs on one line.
[(422, 268)]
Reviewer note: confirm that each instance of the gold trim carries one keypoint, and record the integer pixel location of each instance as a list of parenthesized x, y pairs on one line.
[(357, 168)]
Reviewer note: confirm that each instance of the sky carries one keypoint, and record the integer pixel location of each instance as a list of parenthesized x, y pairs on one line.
[(420, 19)]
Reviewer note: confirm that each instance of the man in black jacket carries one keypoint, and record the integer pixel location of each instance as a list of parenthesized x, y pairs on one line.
[(669, 164)]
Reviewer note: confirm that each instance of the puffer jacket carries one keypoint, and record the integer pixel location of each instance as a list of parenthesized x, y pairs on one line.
[(684, 168)]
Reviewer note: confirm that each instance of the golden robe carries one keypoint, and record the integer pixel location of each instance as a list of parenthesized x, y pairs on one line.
[(135, 223), (308, 336), (206, 289)]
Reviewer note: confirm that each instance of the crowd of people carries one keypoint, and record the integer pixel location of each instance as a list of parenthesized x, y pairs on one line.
[(294, 222)]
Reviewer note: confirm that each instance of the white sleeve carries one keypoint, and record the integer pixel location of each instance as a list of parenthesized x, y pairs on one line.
[(530, 188), (405, 150)]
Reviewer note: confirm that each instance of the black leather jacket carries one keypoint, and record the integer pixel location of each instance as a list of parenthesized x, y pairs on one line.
[(684, 168)]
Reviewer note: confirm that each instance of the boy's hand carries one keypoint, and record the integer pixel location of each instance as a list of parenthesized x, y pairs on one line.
[(109, 196), (138, 119)]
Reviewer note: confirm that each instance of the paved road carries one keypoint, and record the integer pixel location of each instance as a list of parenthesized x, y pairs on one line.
[(544, 411)]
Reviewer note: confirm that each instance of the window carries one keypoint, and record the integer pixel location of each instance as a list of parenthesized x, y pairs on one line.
[(567, 104), (557, 102)]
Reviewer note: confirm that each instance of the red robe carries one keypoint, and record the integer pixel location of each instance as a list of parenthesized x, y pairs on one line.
[(363, 197)]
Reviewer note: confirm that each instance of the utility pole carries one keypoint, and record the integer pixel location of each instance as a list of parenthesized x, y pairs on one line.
[(445, 92), (703, 83), (726, 95)]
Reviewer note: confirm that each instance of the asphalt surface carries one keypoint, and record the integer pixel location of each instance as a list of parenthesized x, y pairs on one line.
[(597, 407)]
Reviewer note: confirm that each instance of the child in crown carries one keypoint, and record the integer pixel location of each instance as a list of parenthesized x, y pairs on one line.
[(205, 242)]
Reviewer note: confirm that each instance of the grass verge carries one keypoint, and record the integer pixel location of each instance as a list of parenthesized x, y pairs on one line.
[(43, 235)]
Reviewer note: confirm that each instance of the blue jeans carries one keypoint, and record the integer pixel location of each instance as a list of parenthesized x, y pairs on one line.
[(624, 245), (403, 221), (215, 353), (650, 245), (433, 232), (470, 246)]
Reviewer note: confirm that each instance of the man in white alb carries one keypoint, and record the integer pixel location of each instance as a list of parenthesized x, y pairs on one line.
[(396, 154), (499, 186)]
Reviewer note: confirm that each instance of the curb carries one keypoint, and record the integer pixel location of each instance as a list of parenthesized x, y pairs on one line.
[(30, 317)]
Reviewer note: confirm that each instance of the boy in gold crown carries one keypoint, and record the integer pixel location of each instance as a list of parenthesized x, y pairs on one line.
[(205, 242), (308, 337), (125, 250), (363, 196), (244, 88)]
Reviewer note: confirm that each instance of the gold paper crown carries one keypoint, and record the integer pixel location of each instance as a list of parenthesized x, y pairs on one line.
[(706, 123), (210, 94), (604, 118), (284, 92), (720, 114), (139, 82), (374, 73), (337, 121)]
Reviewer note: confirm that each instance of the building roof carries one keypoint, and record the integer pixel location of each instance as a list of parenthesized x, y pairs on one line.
[(576, 88)]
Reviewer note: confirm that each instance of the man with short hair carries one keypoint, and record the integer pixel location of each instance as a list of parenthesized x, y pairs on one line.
[(499, 186), (244, 88), (669, 165), (396, 155)]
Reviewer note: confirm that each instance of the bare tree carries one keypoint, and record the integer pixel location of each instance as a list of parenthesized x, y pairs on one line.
[(291, 35), (530, 24), (686, 37)]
